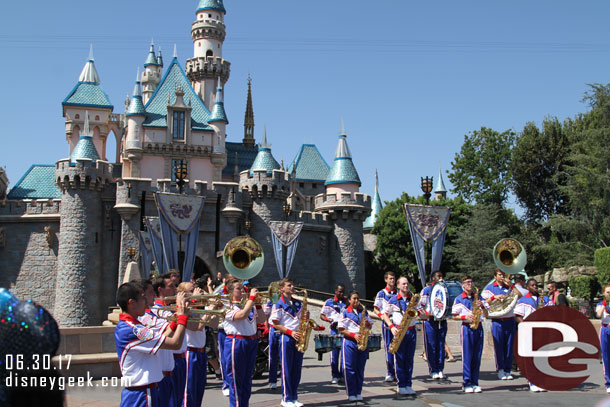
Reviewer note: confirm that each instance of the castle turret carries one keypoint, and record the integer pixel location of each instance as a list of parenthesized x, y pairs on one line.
[(207, 66), (151, 75), (135, 115), (376, 207), (82, 179), (342, 176), (440, 192), (248, 140), (88, 95), (264, 159), (218, 119)]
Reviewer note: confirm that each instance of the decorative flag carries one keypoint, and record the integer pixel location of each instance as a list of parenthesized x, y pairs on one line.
[(285, 234), (146, 253), (427, 224), (179, 216), (154, 232)]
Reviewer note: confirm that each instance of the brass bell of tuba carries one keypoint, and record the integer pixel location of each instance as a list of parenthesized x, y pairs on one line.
[(243, 257), (509, 256)]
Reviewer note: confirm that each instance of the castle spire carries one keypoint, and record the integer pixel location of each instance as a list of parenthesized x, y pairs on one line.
[(218, 112), (342, 170), (264, 159), (136, 106), (152, 57), (160, 58), (89, 73), (376, 206), (440, 191), (249, 119), (85, 147)]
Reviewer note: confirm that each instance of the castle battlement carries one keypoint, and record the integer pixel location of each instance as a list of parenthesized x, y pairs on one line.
[(84, 174), (19, 207), (311, 218), (343, 199), (262, 185), (209, 67)]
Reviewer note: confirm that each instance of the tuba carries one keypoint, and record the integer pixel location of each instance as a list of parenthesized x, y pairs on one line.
[(243, 257), (509, 256)]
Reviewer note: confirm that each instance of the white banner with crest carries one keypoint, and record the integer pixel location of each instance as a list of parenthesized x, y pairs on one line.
[(285, 234), (182, 212)]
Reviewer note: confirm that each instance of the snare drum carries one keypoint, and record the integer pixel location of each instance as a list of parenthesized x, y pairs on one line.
[(338, 341), (374, 342), (324, 343)]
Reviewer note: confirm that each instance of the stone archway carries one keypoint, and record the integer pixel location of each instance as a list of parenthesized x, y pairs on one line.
[(200, 267)]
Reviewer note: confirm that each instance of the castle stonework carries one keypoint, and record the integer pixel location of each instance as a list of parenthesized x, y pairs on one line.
[(66, 230)]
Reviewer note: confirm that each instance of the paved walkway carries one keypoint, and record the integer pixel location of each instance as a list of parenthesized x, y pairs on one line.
[(316, 390)]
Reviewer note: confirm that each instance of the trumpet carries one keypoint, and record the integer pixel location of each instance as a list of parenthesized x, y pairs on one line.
[(198, 300), (220, 313)]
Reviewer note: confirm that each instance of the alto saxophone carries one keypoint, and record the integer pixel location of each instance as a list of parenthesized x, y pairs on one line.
[(305, 326), (540, 302), (364, 332), (476, 311), (408, 316)]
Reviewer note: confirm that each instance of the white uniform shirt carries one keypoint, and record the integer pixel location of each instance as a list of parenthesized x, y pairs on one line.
[(395, 308), (243, 327), (195, 339), (137, 346), (160, 325), (287, 313), (350, 320)]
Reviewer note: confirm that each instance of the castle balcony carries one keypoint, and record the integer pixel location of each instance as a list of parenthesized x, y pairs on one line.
[(209, 67)]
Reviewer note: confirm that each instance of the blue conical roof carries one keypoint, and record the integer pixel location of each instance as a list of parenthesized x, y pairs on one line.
[(88, 91), (85, 147), (264, 159), (152, 58), (136, 105), (343, 170), (440, 185), (218, 111), (309, 165), (211, 5), (376, 206)]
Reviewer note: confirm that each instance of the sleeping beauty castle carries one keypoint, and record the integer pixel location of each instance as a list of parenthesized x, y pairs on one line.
[(179, 191)]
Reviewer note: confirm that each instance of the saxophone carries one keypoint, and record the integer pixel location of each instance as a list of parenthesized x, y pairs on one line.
[(305, 326), (540, 302), (408, 316), (476, 311), (364, 332)]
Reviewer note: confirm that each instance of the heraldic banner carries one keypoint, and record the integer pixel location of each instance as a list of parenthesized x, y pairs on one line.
[(154, 233), (427, 224), (179, 216), (285, 234)]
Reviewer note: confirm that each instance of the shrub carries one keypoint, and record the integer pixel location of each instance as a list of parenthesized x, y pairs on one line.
[(601, 260), (584, 287)]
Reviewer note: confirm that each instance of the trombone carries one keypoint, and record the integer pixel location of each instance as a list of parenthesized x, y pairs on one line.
[(220, 313), (199, 300)]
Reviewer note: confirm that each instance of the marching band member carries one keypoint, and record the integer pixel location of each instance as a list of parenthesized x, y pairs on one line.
[(274, 346), (137, 346), (381, 301), (603, 312), (286, 315), (163, 286), (435, 332), (354, 360), (502, 328), (241, 343), (331, 312), (527, 305), (224, 366), (472, 340), (393, 315)]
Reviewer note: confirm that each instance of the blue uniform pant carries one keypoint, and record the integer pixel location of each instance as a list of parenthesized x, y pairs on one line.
[(354, 361), (403, 359), (274, 353), (179, 379), (292, 362), (196, 376), (166, 392), (241, 357), (434, 343), (387, 339), (472, 348), (223, 363), (336, 361), (140, 398), (503, 333), (604, 338)]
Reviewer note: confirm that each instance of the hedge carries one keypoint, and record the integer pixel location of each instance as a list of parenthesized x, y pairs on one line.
[(584, 287), (601, 260)]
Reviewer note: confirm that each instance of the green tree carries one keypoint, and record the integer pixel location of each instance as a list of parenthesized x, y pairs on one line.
[(602, 264), (538, 166), (481, 170)]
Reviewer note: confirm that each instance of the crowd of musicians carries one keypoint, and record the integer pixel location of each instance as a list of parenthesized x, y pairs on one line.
[(162, 350)]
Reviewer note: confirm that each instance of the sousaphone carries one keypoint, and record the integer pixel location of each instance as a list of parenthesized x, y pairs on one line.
[(243, 257), (510, 257)]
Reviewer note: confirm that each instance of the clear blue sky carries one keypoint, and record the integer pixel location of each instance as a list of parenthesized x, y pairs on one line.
[(410, 78)]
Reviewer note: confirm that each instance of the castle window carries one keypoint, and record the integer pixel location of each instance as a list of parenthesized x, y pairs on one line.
[(77, 116), (301, 185), (209, 15), (209, 53), (314, 185), (97, 117), (178, 126)]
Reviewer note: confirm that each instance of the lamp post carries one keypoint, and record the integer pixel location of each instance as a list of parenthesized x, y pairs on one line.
[(426, 187), (131, 253), (287, 209), (180, 173)]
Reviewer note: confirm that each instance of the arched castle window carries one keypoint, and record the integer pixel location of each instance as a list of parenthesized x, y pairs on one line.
[(209, 53), (178, 125)]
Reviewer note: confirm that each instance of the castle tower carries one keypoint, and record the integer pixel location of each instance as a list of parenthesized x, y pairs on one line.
[(207, 66), (88, 95), (218, 119), (152, 73), (342, 176), (135, 115), (347, 209), (376, 207), (248, 140), (440, 192), (82, 179)]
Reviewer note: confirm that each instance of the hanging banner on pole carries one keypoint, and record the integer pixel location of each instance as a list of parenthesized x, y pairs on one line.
[(427, 224), (179, 218), (285, 234), (146, 252), (154, 232)]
